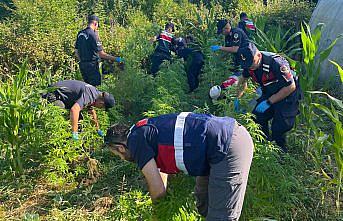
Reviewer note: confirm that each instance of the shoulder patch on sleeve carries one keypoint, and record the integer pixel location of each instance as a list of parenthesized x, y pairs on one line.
[(284, 69), (286, 73)]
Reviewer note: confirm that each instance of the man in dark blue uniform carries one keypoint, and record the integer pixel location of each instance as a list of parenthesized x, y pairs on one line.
[(246, 25), (77, 95), (163, 49), (217, 150), (88, 49), (194, 61), (235, 38), (280, 91)]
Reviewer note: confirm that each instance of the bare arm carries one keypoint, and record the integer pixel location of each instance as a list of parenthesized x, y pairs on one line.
[(232, 49), (94, 117), (164, 177), (106, 56), (74, 116), (282, 94), (153, 177), (242, 86)]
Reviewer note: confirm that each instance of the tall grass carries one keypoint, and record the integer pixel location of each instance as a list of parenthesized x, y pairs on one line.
[(17, 116)]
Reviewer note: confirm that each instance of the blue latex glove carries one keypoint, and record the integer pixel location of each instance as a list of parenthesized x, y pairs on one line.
[(100, 133), (119, 59), (258, 91), (75, 136), (215, 47), (236, 105), (262, 107)]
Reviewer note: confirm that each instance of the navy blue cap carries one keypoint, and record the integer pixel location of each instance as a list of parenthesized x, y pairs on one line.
[(109, 100), (243, 15), (220, 25), (246, 55), (93, 18), (170, 25)]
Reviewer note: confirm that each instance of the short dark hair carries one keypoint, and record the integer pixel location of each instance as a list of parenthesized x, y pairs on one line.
[(92, 18), (169, 25), (117, 133), (221, 24)]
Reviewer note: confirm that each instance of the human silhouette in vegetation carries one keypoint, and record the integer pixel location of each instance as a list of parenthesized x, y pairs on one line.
[(246, 24), (89, 50), (163, 49), (216, 150), (235, 38), (280, 91), (77, 95), (194, 61)]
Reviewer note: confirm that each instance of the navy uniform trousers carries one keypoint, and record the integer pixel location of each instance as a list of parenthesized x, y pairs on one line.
[(283, 116)]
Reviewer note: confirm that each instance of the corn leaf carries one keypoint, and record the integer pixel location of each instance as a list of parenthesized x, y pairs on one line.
[(339, 68), (325, 54)]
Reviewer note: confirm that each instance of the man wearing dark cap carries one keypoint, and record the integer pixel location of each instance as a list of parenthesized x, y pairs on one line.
[(246, 25), (88, 50), (76, 95), (163, 49), (235, 38), (280, 91)]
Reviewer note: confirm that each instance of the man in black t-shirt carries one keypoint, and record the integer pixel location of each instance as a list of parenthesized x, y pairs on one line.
[(77, 95), (88, 50)]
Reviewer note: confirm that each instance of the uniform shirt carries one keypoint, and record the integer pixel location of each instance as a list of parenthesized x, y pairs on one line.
[(273, 74), (145, 141), (191, 56), (73, 91), (195, 54), (88, 45), (164, 40), (247, 26), (236, 37)]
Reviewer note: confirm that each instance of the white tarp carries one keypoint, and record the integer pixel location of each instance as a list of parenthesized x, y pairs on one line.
[(330, 12)]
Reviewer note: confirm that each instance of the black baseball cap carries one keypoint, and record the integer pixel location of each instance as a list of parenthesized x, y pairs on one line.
[(245, 55), (170, 25), (93, 18), (109, 100), (243, 15), (221, 24)]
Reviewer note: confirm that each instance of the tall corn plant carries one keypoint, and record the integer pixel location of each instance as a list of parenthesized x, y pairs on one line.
[(204, 27), (310, 69), (278, 41), (335, 144), (17, 117), (312, 57)]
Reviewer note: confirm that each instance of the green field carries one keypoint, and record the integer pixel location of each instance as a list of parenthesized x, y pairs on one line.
[(44, 175)]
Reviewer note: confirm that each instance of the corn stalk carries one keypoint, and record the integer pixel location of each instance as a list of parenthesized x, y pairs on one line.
[(17, 117), (335, 143)]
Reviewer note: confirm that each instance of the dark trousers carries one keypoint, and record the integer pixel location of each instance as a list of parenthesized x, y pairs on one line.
[(193, 73), (156, 60), (283, 116), (90, 73)]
